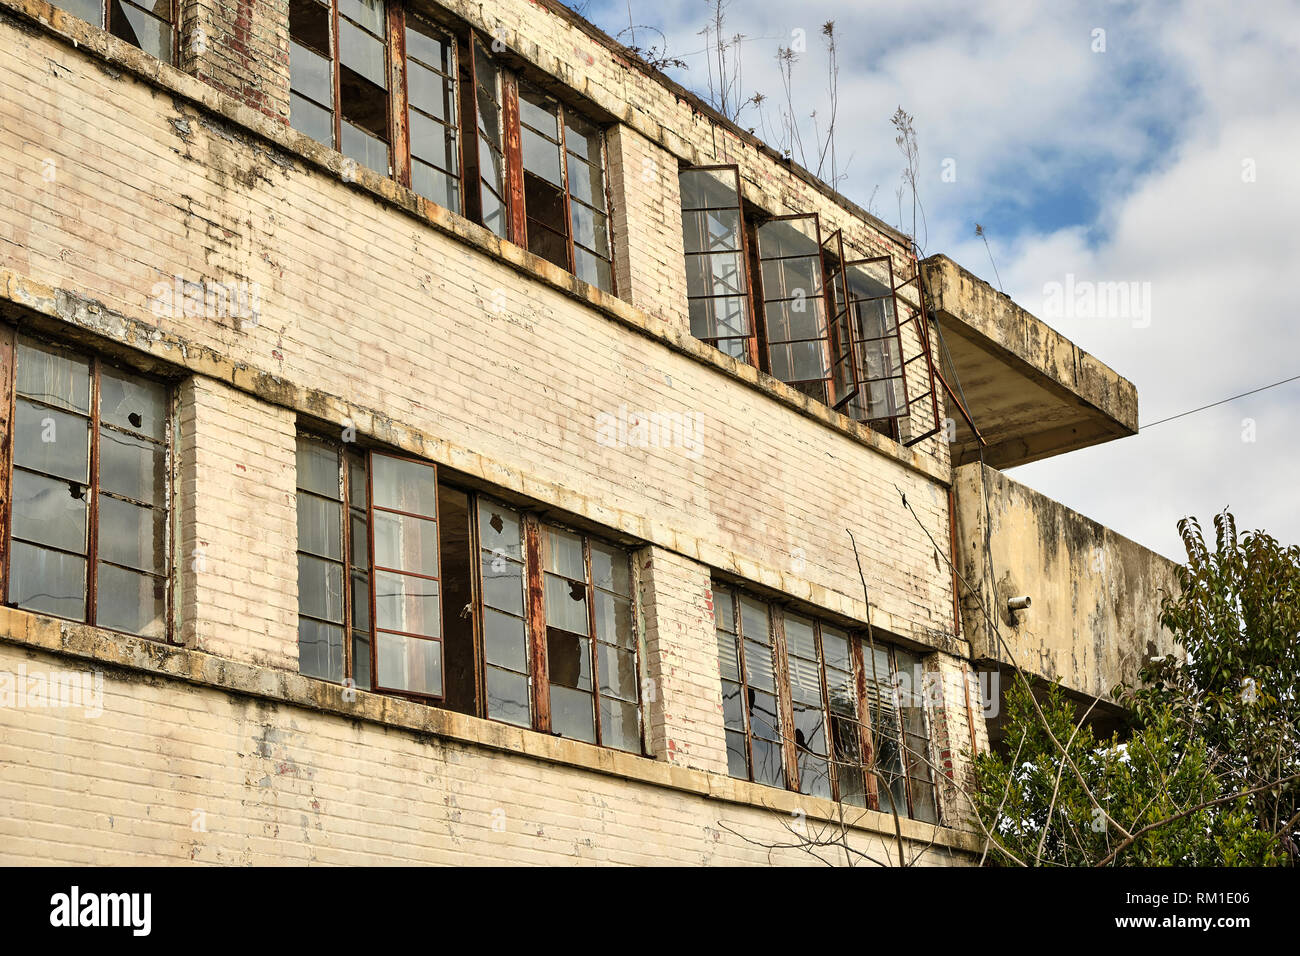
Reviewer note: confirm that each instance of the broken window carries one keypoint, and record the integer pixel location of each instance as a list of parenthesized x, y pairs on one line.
[(87, 459), (147, 24), (564, 208), (591, 649), (338, 77), (531, 611), (387, 554), (794, 305), (432, 109), (494, 210), (881, 394), (717, 287), (797, 714)]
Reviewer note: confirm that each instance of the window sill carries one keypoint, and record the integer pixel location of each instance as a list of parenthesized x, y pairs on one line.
[(154, 660)]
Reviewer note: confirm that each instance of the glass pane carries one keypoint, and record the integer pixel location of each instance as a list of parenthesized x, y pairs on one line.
[(592, 269), (923, 806), (562, 553), (89, 10), (737, 759), (361, 659), (724, 613), (541, 156), (715, 230), (408, 664), (428, 45), (571, 714), (131, 602), (618, 674), (733, 710), (754, 621), (814, 776), (788, 237), (319, 526), (406, 543), (320, 650), (810, 728), (805, 681), (767, 763), (138, 28), (758, 666), (503, 584), (724, 317), (727, 660), (431, 92), (409, 604), (53, 375), (708, 188), (505, 640), (494, 213), (360, 556), (48, 511), (539, 111), (131, 535), (499, 529), (130, 466), (404, 485), (310, 74), (610, 569), (799, 637), (133, 404), (568, 658), (586, 183), (614, 620), (51, 441), (581, 137), (721, 273), (590, 228), (320, 589), (792, 278), (435, 185), (368, 13), (434, 142), (363, 53), (835, 648), (318, 468), (566, 604), (368, 150), (763, 719), (360, 600), (311, 120), (47, 581), (619, 726), (507, 697), (793, 320)]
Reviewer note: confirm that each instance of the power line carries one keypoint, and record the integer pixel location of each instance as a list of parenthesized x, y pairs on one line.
[(1221, 401)]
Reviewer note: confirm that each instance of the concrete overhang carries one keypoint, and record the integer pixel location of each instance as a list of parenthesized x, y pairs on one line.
[(1031, 392)]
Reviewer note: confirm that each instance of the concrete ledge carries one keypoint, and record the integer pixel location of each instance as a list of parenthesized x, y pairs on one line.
[(1032, 392), (154, 661)]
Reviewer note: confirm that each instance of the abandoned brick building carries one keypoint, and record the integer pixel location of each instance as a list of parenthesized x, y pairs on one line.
[(431, 435)]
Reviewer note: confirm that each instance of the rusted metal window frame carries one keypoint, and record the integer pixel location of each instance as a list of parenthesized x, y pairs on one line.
[(9, 336), (347, 549), (751, 340), (536, 606), (106, 23), (812, 299), (859, 646)]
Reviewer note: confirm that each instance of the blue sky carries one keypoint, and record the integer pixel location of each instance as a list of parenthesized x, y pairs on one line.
[(1168, 159)]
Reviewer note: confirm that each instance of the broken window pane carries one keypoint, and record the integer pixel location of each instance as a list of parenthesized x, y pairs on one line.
[(49, 511), (491, 142), (92, 11), (311, 77), (507, 697), (132, 467), (150, 31), (431, 94), (51, 441), (52, 376), (131, 535)]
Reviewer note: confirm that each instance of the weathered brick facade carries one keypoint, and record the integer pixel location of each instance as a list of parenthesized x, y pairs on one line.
[(380, 312)]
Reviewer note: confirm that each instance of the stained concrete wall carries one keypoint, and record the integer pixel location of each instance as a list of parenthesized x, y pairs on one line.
[(1096, 595)]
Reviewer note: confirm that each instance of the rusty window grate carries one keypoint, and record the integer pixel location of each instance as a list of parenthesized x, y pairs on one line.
[(86, 465)]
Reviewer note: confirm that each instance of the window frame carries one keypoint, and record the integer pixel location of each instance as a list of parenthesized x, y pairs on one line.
[(9, 339), (532, 585), (750, 340), (106, 24), (869, 740)]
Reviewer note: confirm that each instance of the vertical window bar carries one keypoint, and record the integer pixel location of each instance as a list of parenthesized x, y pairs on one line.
[(7, 355)]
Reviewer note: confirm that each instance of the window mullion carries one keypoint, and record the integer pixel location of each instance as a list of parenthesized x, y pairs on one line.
[(336, 69), (739, 639), (8, 354), (827, 726), (345, 533), (592, 650), (568, 199), (517, 232), (398, 98), (865, 727), (785, 704), (92, 529), (540, 676)]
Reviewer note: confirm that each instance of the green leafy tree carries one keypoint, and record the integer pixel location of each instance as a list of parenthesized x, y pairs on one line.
[(1211, 773)]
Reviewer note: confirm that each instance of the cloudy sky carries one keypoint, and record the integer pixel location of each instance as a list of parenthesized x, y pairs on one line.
[(1163, 152)]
